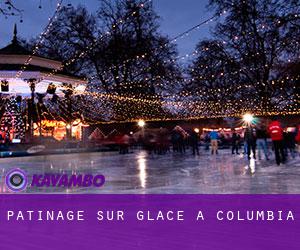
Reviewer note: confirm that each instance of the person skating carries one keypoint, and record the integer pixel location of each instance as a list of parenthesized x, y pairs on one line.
[(276, 134), (261, 136), (235, 139), (194, 140), (214, 141), (290, 143), (207, 141), (250, 139)]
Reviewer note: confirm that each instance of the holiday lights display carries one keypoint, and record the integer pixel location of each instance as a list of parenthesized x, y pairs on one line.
[(12, 122), (97, 106), (40, 39)]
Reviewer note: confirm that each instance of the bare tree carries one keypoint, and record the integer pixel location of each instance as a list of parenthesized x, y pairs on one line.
[(120, 49), (250, 44), (9, 8)]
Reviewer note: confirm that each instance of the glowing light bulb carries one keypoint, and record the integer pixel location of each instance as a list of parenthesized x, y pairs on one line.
[(248, 118), (141, 123)]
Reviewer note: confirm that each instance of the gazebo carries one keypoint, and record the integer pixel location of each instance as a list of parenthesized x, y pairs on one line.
[(25, 76)]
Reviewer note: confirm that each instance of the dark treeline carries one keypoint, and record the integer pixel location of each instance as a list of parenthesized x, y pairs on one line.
[(120, 49), (252, 56), (250, 62)]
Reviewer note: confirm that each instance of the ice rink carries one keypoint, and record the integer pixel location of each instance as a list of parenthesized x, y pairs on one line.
[(141, 173)]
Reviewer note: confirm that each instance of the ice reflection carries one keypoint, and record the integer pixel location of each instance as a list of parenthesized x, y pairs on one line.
[(142, 173), (141, 159), (252, 165)]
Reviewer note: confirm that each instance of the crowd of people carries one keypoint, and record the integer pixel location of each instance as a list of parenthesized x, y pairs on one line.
[(254, 140), (4, 139), (284, 142)]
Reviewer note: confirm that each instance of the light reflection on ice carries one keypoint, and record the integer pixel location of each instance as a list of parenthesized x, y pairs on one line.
[(142, 168), (170, 173), (252, 165)]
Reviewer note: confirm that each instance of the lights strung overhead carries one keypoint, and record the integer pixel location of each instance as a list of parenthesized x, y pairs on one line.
[(40, 39), (186, 104)]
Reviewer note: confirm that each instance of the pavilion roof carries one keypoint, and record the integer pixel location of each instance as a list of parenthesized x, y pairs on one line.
[(15, 47), (14, 53)]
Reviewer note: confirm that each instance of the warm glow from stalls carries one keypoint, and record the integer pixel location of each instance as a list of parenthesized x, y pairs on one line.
[(80, 89), (223, 129), (57, 129)]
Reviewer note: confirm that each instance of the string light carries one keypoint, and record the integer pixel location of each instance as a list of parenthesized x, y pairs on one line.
[(185, 105), (40, 39), (91, 46)]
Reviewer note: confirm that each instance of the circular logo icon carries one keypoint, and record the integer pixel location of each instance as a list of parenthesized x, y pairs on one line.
[(16, 180)]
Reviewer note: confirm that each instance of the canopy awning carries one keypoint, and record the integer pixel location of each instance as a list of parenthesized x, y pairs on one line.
[(20, 86)]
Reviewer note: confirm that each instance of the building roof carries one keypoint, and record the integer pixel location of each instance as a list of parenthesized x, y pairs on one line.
[(14, 48), (14, 56)]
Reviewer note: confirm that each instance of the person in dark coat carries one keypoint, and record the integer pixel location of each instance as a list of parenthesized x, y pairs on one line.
[(235, 139), (290, 143), (250, 139), (194, 140), (261, 136)]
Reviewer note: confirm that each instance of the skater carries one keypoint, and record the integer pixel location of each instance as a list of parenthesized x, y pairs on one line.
[(124, 144), (261, 135), (194, 140), (250, 139), (206, 141), (235, 139), (289, 138), (214, 141), (276, 134)]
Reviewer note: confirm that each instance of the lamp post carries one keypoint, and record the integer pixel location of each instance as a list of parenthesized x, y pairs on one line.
[(68, 91), (32, 84)]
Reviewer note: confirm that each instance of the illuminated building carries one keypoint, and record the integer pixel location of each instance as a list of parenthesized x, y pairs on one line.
[(27, 80)]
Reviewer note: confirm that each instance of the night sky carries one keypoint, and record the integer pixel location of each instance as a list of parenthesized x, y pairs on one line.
[(176, 17)]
